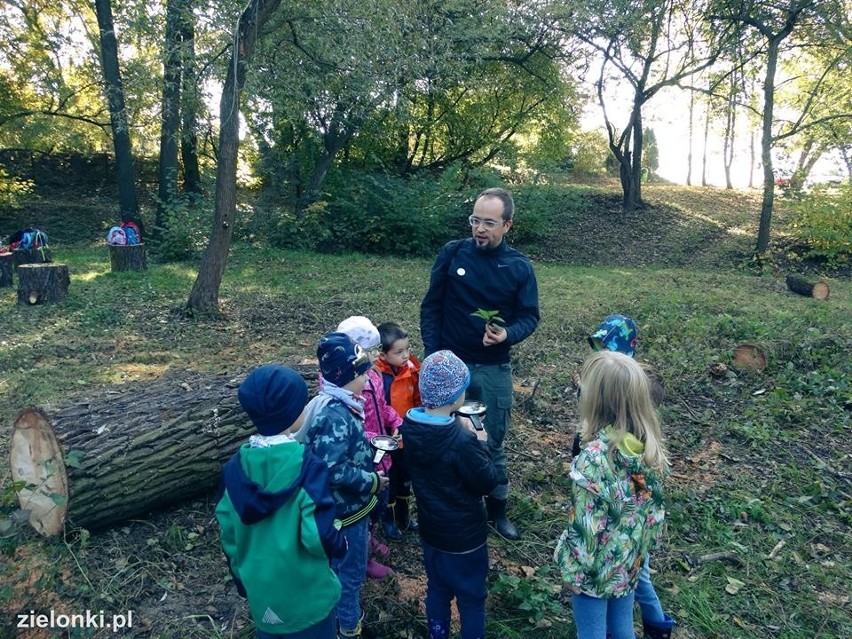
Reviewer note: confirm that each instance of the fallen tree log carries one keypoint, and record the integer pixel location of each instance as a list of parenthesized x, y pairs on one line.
[(126, 450), (801, 286)]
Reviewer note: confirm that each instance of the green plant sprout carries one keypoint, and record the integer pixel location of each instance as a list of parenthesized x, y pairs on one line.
[(491, 317)]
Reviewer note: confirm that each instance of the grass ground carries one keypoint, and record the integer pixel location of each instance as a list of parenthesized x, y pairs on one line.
[(759, 498)]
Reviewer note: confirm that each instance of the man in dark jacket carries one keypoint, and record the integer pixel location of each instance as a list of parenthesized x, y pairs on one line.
[(483, 273), (451, 472)]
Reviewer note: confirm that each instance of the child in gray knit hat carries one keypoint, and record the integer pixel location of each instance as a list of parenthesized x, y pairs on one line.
[(452, 471)]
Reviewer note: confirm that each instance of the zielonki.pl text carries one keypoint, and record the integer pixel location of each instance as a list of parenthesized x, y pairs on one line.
[(88, 619)]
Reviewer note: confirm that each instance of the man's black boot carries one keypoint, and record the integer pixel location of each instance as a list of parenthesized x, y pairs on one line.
[(497, 517)]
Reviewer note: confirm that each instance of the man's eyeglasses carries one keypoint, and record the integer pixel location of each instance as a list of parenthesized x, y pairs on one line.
[(487, 224)]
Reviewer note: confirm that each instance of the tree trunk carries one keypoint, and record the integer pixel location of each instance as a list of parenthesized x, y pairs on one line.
[(730, 129), (636, 172), (170, 121), (42, 283), (114, 90), (808, 157), (691, 130), (706, 139), (766, 148), (190, 103), (204, 296), (752, 161), (122, 451)]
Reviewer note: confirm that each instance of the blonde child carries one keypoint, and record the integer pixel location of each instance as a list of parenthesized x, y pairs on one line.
[(400, 372), (616, 511), (618, 333)]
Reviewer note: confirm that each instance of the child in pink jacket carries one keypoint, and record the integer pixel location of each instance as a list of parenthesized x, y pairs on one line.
[(379, 419)]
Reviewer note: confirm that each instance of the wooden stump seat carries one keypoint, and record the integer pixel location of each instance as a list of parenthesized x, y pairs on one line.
[(6, 264), (128, 257), (42, 283)]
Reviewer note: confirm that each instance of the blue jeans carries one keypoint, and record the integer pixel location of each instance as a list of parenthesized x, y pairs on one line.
[(352, 570), (462, 577), (646, 596), (325, 629), (596, 618), (491, 384)]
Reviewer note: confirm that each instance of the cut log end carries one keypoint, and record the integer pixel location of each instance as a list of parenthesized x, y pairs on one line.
[(749, 357), (801, 286), (36, 461)]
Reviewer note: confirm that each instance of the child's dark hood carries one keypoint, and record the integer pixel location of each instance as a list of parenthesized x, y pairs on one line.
[(616, 333), (252, 501)]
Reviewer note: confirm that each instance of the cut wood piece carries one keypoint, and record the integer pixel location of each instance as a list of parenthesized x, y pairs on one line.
[(42, 283), (123, 451), (128, 257), (6, 264), (798, 284), (749, 357), (32, 256)]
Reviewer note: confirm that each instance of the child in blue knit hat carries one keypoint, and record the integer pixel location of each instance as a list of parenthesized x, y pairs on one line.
[(277, 516), (618, 333), (334, 431), (452, 472)]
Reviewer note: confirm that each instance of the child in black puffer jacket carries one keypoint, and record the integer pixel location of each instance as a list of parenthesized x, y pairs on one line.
[(452, 472)]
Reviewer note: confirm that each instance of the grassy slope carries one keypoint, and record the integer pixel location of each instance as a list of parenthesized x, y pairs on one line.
[(759, 495)]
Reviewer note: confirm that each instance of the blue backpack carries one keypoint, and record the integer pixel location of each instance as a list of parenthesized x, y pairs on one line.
[(131, 231), (33, 239)]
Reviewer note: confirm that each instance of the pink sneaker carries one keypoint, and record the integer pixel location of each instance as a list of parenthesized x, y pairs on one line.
[(378, 548), (375, 570)]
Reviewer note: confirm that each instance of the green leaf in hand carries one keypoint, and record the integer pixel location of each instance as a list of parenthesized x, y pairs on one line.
[(490, 317)]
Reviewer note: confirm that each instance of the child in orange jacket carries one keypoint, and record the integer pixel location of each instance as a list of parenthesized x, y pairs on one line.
[(400, 372)]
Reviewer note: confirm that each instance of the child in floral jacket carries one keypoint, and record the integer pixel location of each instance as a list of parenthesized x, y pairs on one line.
[(616, 512)]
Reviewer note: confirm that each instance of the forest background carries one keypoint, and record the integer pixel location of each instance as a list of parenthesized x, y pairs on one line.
[(262, 145)]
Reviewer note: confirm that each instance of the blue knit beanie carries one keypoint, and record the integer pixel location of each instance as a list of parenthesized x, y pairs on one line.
[(616, 333), (340, 359), (443, 378), (273, 396)]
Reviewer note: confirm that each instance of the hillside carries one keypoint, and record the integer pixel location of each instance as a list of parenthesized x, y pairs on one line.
[(759, 494)]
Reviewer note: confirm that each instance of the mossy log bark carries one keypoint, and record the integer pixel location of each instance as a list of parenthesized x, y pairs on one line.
[(126, 450), (128, 257), (801, 286), (6, 263), (42, 283)]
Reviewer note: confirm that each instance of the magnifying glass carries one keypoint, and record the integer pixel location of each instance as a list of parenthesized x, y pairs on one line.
[(473, 410), (383, 444)]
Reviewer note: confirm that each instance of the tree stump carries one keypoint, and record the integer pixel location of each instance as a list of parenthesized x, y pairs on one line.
[(123, 451), (32, 256), (6, 264), (749, 357), (42, 283), (801, 286), (128, 257)]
